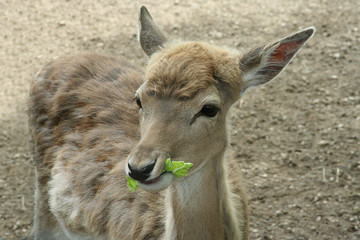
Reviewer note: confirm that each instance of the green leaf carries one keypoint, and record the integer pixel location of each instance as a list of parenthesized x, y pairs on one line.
[(178, 168), (132, 184), (182, 169)]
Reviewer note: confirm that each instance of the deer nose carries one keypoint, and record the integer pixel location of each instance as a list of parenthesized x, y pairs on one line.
[(141, 174)]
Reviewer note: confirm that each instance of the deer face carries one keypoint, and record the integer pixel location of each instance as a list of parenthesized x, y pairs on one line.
[(182, 108)]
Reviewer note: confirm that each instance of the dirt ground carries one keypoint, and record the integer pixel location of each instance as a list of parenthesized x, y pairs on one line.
[(297, 138)]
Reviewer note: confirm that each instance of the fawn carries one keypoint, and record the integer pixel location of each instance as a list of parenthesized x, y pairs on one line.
[(95, 118)]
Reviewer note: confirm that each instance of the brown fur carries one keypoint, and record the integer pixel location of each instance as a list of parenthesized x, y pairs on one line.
[(183, 69), (81, 111)]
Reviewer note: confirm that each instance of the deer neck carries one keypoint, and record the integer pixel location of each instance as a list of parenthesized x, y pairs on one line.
[(196, 205)]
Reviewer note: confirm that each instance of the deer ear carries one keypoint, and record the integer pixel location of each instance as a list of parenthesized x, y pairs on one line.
[(261, 65), (150, 37)]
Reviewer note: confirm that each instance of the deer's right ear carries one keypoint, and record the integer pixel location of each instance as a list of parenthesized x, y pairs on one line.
[(150, 37), (261, 65)]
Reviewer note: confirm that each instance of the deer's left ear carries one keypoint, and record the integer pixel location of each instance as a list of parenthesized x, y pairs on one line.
[(261, 65), (150, 37)]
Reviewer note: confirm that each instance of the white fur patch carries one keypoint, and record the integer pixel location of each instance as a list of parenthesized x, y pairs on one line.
[(64, 202)]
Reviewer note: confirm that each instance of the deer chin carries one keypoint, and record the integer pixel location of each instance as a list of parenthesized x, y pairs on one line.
[(159, 183)]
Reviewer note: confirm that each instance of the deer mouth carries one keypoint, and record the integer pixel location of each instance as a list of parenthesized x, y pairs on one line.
[(159, 183), (154, 180)]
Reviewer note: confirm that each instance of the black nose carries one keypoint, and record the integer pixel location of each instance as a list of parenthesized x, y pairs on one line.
[(141, 174)]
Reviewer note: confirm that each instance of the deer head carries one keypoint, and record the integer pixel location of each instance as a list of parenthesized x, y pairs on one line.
[(188, 90)]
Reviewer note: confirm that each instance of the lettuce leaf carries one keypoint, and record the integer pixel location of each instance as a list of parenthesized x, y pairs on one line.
[(132, 184), (178, 168)]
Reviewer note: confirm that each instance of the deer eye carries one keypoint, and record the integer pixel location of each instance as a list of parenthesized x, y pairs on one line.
[(138, 102), (209, 111)]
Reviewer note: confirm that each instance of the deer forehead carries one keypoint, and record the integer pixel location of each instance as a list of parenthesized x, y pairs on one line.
[(182, 70)]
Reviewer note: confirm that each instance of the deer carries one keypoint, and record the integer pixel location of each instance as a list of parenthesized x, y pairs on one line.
[(95, 119)]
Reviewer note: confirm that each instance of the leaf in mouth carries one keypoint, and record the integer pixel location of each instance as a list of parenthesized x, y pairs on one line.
[(177, 168), (132, 184)]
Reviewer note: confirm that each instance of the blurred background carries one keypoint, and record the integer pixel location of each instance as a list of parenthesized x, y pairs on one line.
[(297, 139)]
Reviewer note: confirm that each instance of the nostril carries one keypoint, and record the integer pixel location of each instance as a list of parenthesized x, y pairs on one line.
[(131, 168), (141, 174)]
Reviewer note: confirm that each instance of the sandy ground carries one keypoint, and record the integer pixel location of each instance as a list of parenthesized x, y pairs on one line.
[(297, 139)]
